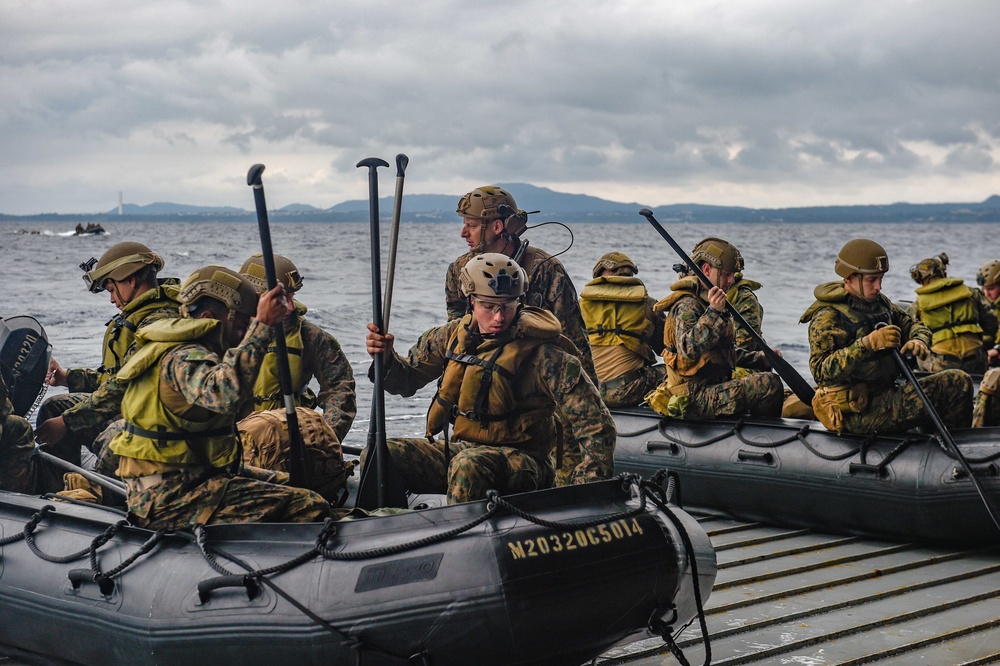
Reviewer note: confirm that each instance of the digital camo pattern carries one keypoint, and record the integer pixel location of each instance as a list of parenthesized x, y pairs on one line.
[(759, 394), (323, 358), (900, 408), (629, 389), (743, 298), (472, 469)]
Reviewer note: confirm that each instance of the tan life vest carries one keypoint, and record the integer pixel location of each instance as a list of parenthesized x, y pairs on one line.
[(714, 365), (267, 389), (160, 425), (482, 388), (947, 308), (614, 310), (121, 328)]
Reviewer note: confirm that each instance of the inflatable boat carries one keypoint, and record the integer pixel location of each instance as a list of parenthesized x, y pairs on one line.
[(796, 473), (549, 577)]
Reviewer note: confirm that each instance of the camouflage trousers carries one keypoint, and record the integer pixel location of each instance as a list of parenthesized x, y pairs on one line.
[(759, 394), (471, 470), (986, 410), (974, 364), (629, 389), (204, 495), (899, 409), (17, 444)]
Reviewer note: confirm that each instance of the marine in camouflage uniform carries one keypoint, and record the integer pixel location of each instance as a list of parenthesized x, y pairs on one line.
[(178, 451), (986, 410), (73, 420), (988, 279), (501, 380), (700, 349), (625, 332), (17, 465), (858, 380), (743, 298), (958, 317), (492, 222)]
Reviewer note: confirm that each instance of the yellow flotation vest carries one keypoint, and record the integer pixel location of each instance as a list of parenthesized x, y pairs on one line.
[(121, 328), (714, 365), (614, 310), (482, 391), (267, 389), (947, 308), (160, 424)]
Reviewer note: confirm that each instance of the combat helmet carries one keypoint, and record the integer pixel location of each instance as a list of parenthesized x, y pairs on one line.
[(718, 253), (861, 256), (989, 274), (225, 285), (284, 270), (928, 269), (117, 263), (483, 203), (619, 262), (493, 276)]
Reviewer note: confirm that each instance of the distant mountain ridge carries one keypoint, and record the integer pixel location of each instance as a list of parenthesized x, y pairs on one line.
[(554, 206)]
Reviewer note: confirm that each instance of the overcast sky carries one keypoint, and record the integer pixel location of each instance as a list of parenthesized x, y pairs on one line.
[(743, 102)]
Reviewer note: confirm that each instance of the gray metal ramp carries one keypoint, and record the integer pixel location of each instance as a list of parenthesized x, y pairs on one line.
[(804, 598)]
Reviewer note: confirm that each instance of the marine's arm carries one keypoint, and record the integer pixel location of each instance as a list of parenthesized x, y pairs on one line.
[(560, 375), (987, 318), (910, 327), (550, 287), (337, 397), (423, 364), (658, 319), (696, 331), (454, 301), (220, 386), (833, 351)]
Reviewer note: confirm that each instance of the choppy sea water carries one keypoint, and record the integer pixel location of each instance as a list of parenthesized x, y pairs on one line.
[(39, 275)]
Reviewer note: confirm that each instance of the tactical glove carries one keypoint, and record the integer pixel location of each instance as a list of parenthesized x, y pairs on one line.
[(917, 348), (882, 338)]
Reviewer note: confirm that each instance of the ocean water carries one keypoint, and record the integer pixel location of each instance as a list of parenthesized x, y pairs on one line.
[(39, 275)]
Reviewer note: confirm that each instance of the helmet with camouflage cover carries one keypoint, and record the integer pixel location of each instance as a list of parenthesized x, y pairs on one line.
[(225, 285), (989, 274), (928, 269), (718, 253), (617, 262), (493, 276), (117, 263), (284, 270), (861, 256)]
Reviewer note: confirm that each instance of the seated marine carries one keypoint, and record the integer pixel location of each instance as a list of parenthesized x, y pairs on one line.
[(128, 272), (857, 387), (502, 371), (178, 453), (625, 333), (699, 347), (958, 317)]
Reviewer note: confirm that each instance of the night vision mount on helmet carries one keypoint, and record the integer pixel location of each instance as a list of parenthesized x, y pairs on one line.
[(928, 269), (25, 353), (493, 275)]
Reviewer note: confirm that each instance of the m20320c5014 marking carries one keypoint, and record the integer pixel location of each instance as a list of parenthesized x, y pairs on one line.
[(582, 538)]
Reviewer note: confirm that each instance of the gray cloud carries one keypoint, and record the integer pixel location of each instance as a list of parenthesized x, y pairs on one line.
[(767, 103)]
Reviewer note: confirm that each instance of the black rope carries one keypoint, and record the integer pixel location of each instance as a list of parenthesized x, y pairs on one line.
[(30, 526)]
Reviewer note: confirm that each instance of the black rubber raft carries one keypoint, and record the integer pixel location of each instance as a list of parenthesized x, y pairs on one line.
[(550, 577), (796, 473)]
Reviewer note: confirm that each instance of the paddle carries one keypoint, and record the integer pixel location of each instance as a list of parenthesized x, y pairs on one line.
[(943, 430), (296, 450), (112, 485), (784, 369), (397, 207), (386, 489)]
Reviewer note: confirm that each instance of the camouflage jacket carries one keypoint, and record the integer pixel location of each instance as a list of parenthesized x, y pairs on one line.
[(549, 287), (837, 322), (222, 386), (994, 307), (555, 373), (103, 405), (323, 359), (743, 298)]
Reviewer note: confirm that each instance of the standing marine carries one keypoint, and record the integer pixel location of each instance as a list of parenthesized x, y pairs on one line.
[(699, 347), (502, 369), (128, 271), (492, 222), (625, 333), (185, 383), (958, 317), (858, 382)]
